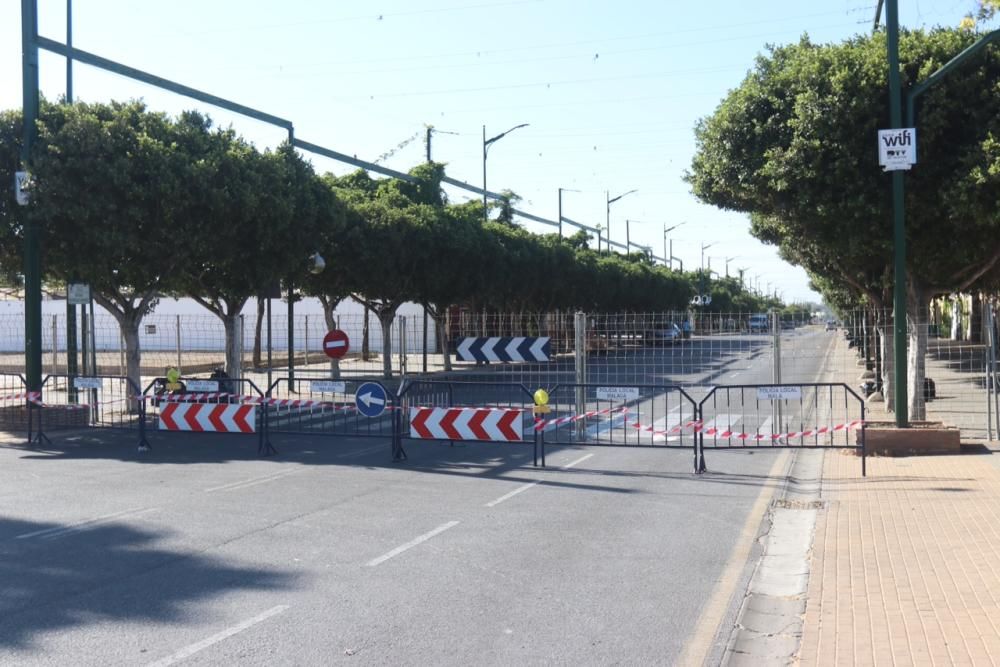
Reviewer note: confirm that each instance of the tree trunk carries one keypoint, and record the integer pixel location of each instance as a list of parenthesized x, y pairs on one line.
[(956, 317), (976, 318), (129, 325), (329, 306), (258, 328), (442, 336), (888, 360), (233, 362), (916, 352), (365, 351), (385, 318)]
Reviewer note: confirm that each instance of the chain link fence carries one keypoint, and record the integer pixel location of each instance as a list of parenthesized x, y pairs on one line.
[(690, 349)]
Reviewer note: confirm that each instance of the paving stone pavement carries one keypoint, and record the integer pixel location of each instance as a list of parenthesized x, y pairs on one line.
[(905, 567)]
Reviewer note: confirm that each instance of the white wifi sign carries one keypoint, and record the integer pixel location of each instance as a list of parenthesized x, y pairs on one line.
[(897, 149)]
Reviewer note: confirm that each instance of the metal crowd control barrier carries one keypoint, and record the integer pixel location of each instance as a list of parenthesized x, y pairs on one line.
[(106, 401), (804, 415), (17, 411), (661, 416), (225, 405), (327, 407), (456, 411)]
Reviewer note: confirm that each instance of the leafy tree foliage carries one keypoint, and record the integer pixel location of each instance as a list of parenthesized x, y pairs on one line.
[(793, 146)]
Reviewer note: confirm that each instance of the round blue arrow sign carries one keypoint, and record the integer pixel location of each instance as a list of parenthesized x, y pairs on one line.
[(371, 399)]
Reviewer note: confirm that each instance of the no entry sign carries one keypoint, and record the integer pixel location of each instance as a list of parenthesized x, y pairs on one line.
[(335, 344)]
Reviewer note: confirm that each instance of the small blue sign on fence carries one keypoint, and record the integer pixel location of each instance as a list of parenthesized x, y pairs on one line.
[(371, 399)]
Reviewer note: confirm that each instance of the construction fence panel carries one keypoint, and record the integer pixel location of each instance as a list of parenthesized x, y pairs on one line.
[(803, 415), (90, 401), (325, 407), (639, 415)]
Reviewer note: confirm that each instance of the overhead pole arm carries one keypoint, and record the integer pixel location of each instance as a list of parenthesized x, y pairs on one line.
[(944, 71)]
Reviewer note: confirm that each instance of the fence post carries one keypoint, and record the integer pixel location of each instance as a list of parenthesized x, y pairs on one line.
[(580, 354), (84, 341), (305, 342), (121, 353), (177, 329), (424, 347), (992, 409), (238, 371), (55, 346), (402, 346), (776, 366)]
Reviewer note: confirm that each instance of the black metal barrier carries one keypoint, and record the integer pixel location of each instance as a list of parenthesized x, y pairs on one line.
[(456, 411), (660, 416), (803, 415), (17, 409), (199, 405), (324, 406), (106, 401)]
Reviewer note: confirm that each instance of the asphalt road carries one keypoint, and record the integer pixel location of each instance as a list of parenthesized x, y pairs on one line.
[(198, 552)]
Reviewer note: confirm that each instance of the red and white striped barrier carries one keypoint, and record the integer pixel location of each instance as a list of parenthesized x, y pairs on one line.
[(208, 418), (490, 424)]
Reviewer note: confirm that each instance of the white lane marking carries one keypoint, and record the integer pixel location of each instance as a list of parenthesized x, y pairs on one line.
[(252, 481), (765, 429), (607, 424), (699, 642), (188, 651), (665, 423), (412, 543), (523, 487), (59, 531), (579, 460)]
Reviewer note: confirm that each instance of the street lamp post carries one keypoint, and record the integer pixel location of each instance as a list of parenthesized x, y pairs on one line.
[(669, 257), (611, 200), (704, 247), (486, 146), (729, 259)]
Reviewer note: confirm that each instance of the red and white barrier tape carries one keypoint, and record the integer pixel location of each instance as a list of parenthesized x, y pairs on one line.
[(791, 435), (692, 426), (32, 396), (541, 424)]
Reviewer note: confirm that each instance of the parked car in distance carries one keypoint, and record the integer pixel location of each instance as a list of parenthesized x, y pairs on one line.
[(831, 325), (759, 323), (667, 335)]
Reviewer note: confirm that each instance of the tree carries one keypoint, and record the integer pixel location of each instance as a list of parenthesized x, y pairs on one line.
[(793, 146), (111, 189)]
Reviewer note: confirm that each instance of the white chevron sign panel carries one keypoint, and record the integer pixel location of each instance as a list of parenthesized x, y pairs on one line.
[(504, 348)]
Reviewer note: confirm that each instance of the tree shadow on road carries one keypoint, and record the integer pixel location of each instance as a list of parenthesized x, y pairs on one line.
[(56, 577)]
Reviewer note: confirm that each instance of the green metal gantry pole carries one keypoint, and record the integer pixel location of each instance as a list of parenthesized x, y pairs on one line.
[(32, 246), (899, 223)]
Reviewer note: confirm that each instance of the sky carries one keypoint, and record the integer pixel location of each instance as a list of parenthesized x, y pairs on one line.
[(610, 90)]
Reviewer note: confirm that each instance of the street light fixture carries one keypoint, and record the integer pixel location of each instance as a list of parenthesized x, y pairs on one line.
[(669, 257), (486, 146), (729, 259), (611, 200), (704, 247)]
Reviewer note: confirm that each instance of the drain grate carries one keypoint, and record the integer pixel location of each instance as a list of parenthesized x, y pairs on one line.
[(786, 504)]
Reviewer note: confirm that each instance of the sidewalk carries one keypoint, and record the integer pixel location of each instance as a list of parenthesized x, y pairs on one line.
[(905, 566), (906, 563)]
